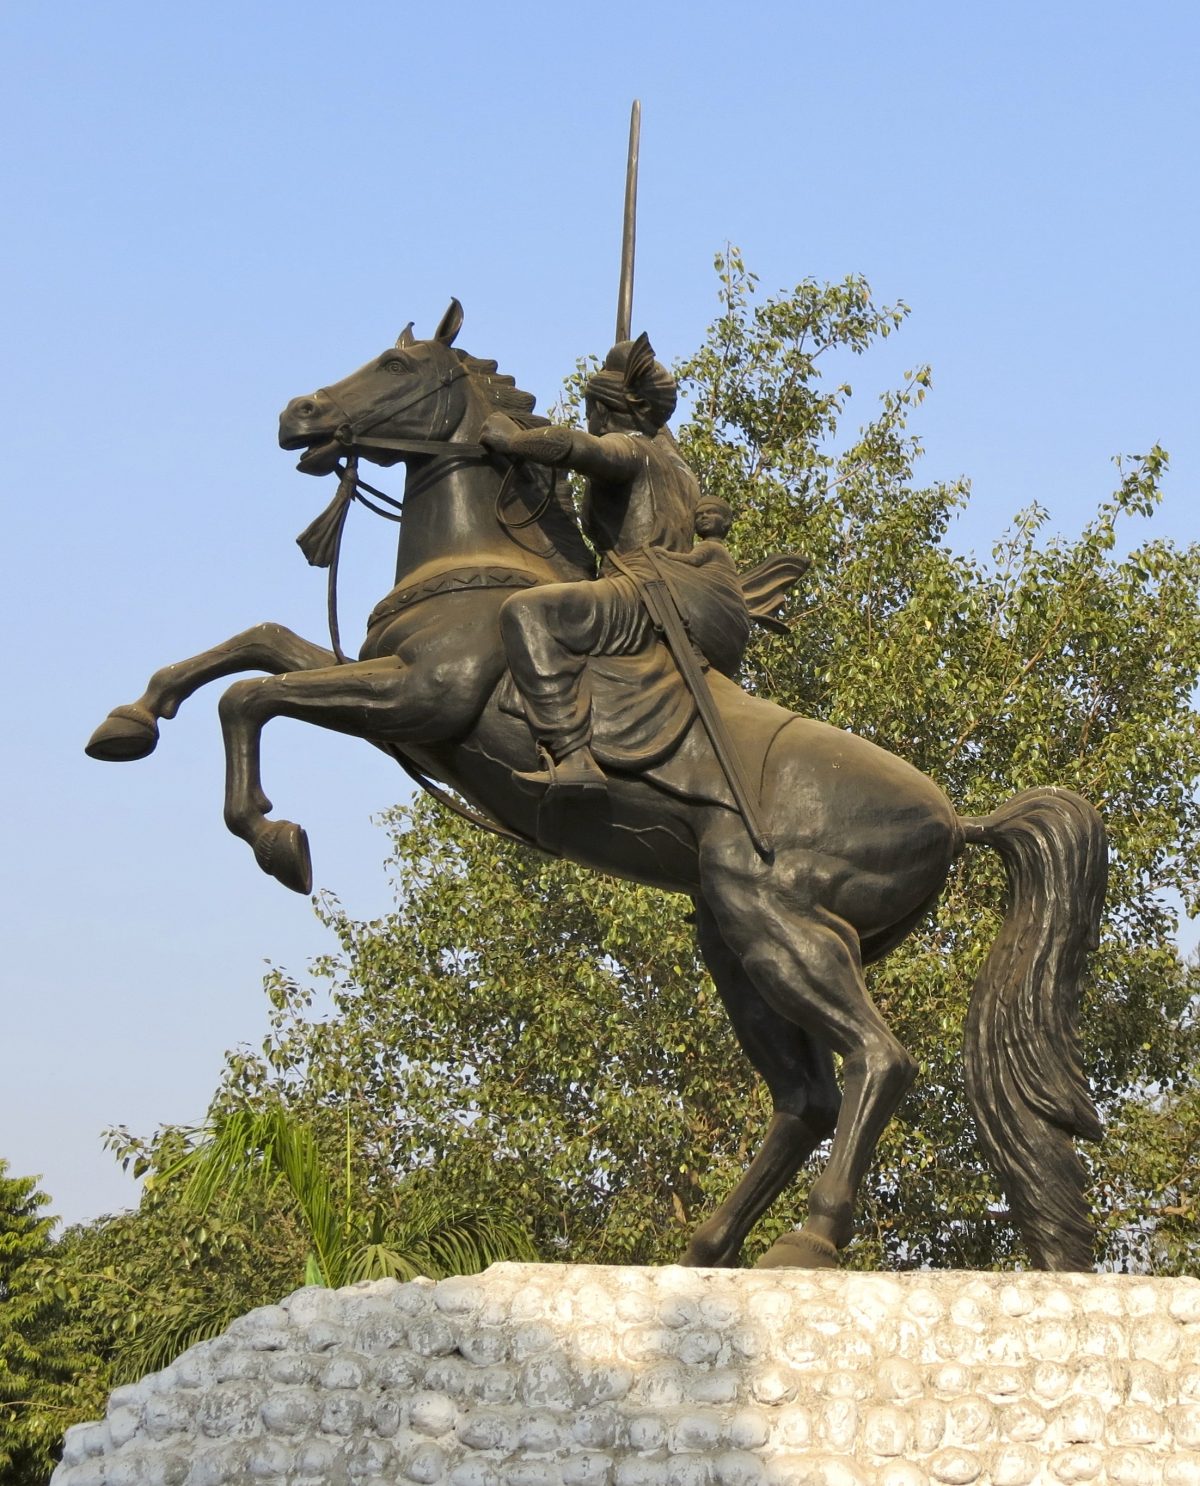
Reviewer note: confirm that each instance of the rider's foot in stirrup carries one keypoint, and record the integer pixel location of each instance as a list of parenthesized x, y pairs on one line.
[(576, 773)]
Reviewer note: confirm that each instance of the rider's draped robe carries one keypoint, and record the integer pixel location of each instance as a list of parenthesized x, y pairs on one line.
[(647, 519)]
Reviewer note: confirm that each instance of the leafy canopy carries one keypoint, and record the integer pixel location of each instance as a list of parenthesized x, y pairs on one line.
[(45, 1367), (396, 1233)]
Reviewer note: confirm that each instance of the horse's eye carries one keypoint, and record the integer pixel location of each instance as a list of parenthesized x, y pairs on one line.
[(397, 366)]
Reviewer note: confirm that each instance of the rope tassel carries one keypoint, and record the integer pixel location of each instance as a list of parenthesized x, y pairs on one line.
[(319, 539)]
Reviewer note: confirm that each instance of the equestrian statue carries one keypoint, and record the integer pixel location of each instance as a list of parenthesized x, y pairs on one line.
[(573, 687)]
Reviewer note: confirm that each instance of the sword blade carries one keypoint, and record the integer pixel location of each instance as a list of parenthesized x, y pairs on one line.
[(629, 235)]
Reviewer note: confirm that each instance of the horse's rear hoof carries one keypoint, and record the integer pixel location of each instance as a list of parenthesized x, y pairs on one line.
[(127, 733), (282, 852), (799, 1251)]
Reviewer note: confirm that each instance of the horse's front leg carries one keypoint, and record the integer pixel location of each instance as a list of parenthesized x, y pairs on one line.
[(131, 731), (381, 700)]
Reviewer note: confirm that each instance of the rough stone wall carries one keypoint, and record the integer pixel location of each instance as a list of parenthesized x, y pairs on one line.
[(545, 1375)]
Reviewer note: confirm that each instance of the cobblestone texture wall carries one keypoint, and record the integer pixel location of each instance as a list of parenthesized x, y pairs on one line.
[(545, 1375)]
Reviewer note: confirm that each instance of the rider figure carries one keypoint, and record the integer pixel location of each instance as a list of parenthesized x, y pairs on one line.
[(642, 509)]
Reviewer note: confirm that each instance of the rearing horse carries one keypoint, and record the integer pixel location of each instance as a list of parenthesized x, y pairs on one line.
[(862, 842)]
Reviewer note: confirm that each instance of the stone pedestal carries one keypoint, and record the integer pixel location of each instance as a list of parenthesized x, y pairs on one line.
[(547, 1375)]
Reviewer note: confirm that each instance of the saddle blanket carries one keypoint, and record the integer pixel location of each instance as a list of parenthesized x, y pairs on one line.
[(645, 722)]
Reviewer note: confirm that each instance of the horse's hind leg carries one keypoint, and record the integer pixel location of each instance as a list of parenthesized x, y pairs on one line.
[(806, 963), (797, 1070), (131, 731)]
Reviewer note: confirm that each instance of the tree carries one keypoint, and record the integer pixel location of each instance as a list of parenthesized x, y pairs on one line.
[(394, 1233), (43, 1375), (549, 1039), (140, 1287)]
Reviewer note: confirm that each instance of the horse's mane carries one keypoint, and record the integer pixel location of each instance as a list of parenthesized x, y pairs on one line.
[(557, 520), (501, 390)]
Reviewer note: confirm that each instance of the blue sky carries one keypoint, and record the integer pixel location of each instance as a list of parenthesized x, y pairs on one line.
[(213, 209)]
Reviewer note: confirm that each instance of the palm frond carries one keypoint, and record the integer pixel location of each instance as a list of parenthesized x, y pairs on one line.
[(247, 1150), (378, 1261), (159, 1345), (417, 1230), (446, 1238)]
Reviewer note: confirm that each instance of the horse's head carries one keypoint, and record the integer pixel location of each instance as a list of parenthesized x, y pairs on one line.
[(414, 390)]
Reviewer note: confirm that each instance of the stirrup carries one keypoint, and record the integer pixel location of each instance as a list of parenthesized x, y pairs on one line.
[(548, 781)]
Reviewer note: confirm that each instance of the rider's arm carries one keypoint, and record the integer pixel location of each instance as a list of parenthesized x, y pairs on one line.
[(611, 458)]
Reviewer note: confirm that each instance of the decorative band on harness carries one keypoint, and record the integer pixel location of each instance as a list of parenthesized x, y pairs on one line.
[(448, 582)]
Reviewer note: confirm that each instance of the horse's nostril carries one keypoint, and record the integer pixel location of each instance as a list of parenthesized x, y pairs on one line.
[(306, 409)]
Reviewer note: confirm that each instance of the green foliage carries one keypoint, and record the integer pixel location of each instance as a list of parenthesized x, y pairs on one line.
[(395, 1233), (549, 1039), (144, 1285), (44, 1375)]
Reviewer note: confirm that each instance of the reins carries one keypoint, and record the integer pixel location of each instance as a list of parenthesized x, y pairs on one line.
[(321, 543), (321, 540)]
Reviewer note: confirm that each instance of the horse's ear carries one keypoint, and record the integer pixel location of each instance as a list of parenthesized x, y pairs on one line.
[(406, 337), (451, 324)]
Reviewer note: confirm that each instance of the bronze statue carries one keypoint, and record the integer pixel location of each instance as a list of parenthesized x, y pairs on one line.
[(807, 851)]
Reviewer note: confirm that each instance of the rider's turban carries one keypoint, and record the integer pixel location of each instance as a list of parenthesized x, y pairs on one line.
[(632, 382)]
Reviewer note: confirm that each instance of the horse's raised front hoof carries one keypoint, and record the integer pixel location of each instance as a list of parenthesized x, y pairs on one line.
[(125, 734), (281, 850), (799, 1251)]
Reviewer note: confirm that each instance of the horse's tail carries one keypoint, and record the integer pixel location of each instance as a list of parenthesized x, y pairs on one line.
[(1024, 1074)]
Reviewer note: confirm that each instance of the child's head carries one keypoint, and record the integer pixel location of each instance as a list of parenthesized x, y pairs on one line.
[(713, 518)]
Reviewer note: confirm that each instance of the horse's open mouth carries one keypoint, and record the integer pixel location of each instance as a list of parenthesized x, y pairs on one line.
[(320, 459)]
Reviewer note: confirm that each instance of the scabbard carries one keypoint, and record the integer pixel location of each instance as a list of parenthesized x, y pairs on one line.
[(664, 612)]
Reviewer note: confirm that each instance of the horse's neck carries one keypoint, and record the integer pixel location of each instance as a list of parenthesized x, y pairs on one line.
[(452, 522)]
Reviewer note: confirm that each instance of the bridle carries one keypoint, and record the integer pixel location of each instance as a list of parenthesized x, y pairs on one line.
[(321, 540), (354, 432)]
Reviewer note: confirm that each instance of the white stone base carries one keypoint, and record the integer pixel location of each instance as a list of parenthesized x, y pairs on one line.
[(548, 1375)]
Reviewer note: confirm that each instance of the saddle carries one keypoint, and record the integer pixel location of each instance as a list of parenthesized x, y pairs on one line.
[(640, 708), (644, 718), (645, 722)]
